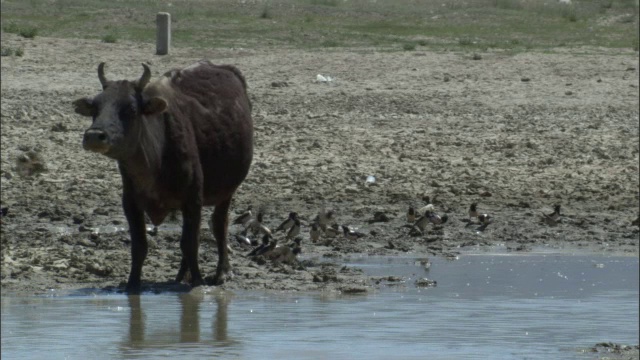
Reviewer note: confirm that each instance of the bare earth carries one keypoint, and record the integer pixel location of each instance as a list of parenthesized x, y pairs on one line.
[(516, 133)]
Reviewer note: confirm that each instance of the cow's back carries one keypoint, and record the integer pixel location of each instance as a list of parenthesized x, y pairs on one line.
[(213, 99)]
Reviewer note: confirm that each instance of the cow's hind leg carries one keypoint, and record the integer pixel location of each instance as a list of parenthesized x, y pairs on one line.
[(220, 220), (190, 242)]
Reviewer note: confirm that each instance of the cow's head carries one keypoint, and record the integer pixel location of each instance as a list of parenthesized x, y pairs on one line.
[(118, 114)]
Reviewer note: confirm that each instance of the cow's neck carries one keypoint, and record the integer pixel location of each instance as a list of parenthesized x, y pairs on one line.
[(145, 161)]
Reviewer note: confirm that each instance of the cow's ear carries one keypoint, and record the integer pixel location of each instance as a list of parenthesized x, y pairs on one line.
[(155, 105), (84, 106)]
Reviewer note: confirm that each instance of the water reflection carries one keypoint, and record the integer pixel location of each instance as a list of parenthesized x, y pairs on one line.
[(484, 307), (188, 332), (189, 319), (136, 322)]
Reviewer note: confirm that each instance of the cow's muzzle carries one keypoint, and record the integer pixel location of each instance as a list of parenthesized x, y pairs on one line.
[(96, 140)]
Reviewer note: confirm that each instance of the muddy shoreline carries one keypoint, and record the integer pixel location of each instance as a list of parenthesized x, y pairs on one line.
[(516, 133)]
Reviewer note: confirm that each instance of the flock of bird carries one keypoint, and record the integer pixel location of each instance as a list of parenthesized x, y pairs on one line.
[(283, 243)]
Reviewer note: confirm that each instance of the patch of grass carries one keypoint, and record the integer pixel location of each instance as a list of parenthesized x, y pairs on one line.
[(467, 24), (6, 51), (409, 46), (28, 32), (11, 28), (110, 39), (569, 13), (266, 13), (24, 31), (507, 4), (325, 2), (423, 42), (329, 43), (465, 42)]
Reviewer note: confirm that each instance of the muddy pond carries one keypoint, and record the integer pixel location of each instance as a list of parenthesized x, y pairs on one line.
[(484, 306)]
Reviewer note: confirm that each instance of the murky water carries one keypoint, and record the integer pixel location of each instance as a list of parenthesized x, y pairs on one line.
[(542, 306)]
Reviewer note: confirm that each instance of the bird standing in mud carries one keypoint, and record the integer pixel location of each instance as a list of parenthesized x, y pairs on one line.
[(411, 214), (266, 239), (473, 211), (552, 218), (287, 224), (333, 230), (351, 234), (256, 226), (244, 218), (294, 230), (325, 218), (421, 224), (436, 219), (427, 208), (243, 239), (314, 232), (484, 220)]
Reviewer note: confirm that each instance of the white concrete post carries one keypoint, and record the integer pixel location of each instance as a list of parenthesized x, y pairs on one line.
[(163, 33)]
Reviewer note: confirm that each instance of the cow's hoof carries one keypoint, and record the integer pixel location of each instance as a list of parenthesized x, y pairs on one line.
[(220, 278)]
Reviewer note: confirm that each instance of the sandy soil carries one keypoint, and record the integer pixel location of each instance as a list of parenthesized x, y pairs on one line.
[(516, 133)]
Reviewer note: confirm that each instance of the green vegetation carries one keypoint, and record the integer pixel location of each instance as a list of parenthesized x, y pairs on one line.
[(409, 46), (7, 51), (110, 38), (468, 25), (24, 31)]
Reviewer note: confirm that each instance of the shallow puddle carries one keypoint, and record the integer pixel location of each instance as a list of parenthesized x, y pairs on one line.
[(533, 306)]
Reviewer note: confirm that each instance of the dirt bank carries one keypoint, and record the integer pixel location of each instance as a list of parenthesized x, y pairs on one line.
[(516, 133)]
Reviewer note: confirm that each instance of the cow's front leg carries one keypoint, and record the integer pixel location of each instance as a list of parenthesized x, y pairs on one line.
[(190, 242), (138, 232)]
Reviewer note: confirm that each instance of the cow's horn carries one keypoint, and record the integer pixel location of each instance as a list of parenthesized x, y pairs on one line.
[(144, 80), (103, 79)]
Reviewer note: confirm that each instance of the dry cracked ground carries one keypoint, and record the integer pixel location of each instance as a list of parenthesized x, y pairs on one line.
[(514, 132)]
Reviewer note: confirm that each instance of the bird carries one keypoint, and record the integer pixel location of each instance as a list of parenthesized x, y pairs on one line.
[(436, 219), (332, 231), (244, 218), (429, 207), (266, 239), (351, 234), (268, 248), (555, 215), (284, 254), (473, 211), (411, 214), (285, 225), (294, 230), (295, 244), (325, 218), (421, 223), (256, 225), (314, 232), (243, 239), (379, 216), (485, 219)]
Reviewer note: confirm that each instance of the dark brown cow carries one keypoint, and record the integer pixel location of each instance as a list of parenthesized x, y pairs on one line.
[(182, 142)]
